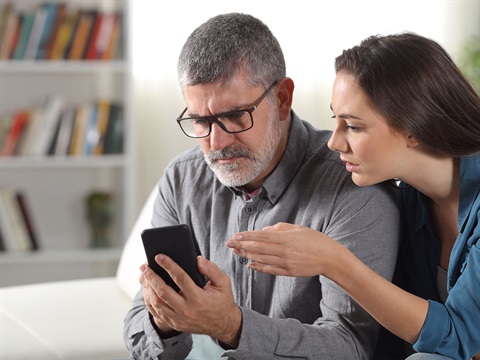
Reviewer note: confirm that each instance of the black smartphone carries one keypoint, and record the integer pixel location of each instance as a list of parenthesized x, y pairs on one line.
[(176, 242)]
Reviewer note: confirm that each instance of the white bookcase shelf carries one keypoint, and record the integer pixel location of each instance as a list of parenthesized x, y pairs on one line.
[(55, 187)]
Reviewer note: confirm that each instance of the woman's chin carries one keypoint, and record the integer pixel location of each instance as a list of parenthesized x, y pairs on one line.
[(360, 180)]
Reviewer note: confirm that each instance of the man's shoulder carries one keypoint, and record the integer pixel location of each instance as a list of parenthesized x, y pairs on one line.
[(189, 157)]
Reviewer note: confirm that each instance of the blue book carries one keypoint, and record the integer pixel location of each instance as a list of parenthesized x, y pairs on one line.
[(51, 14), (91, 133), (25, 28)]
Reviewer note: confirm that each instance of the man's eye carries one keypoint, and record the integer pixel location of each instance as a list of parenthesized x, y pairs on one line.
[(200, 122), (232, 116)]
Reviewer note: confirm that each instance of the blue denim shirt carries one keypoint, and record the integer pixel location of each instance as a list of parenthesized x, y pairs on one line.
[(451, 329)]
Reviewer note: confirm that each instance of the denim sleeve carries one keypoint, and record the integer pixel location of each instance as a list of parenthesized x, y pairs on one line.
[(453, 329)]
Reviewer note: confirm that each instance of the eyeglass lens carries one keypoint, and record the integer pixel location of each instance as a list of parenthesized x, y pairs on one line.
[(234, 121)]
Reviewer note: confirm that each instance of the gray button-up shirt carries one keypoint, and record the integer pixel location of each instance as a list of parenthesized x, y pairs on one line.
[(283, 317)]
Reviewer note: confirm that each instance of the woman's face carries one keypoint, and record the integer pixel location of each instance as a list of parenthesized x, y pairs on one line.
[(372, 150)]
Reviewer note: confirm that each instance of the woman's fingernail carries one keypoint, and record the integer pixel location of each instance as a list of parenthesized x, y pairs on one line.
[(143, 268), (239, 237), (230, 244)]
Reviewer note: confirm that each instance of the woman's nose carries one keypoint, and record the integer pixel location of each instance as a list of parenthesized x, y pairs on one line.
[(337, 141)]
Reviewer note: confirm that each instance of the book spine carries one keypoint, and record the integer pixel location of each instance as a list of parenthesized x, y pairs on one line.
[(51, 114), (25, 28), (51, 13), (27, 220), (19, 238), (35, 33), (14, 134)]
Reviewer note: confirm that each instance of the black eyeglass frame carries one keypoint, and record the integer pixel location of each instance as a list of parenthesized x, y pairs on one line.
[(214, 118)]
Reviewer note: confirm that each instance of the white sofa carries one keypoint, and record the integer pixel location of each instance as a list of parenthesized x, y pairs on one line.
[(81, 319)]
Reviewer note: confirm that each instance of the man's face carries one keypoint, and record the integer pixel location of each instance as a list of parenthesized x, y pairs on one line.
[(241, 159)]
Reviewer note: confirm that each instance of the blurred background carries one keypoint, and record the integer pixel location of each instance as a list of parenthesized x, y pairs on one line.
[(82, 199)]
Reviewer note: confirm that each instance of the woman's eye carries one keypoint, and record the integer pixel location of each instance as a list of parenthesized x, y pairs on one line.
[(353, 128)]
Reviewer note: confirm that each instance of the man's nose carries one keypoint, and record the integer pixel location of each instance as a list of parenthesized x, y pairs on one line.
[(219, 138)]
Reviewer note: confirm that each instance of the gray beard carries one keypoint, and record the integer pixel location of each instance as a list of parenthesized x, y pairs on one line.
[(234, 174)]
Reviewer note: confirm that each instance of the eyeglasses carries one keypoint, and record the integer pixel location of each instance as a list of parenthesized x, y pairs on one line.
[(232, 122)]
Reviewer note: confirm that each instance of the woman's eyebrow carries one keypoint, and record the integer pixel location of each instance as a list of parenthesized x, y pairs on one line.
[(345, 116)]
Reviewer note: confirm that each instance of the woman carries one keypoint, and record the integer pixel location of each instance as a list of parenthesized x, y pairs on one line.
[(403, 111)]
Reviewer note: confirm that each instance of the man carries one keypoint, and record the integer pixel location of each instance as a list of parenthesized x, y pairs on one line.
[(256, 164)]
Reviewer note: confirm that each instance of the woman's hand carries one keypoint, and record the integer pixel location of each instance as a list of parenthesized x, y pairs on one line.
[(289, 250)]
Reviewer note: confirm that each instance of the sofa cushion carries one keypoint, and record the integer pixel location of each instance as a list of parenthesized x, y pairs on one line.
[(92, 311)]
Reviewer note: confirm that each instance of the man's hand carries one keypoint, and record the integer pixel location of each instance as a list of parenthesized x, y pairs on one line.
[(210, 310)]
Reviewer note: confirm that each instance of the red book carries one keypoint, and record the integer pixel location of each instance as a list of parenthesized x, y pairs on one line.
[(90, 53), (20, 120)]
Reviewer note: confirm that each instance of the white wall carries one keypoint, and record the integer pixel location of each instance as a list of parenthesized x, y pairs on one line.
[(311, 33)]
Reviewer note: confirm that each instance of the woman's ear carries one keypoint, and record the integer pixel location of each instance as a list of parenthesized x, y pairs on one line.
[(285, 97), (412, 141)]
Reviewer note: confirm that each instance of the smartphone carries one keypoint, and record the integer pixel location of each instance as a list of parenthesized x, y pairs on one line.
[(176, 242)]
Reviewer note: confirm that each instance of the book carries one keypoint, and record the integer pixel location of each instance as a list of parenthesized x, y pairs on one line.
[(50, 116), (50, 18), (5, 124), (6, 224), (60, 17), (82, 34), (20, 121), (113, 40), (16, 234), (64, 132), (114, 135), (27, 220), (9, 35), (104, 35), (64, 35), (90, 51), (77, 143), (103, 112), (4, 11), (30, 132), (35, 33), (27, 18), (91, 133)]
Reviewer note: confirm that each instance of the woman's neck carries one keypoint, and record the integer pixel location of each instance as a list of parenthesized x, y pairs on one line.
[(437, 177)]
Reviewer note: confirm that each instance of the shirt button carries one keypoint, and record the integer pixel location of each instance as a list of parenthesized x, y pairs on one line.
[(249, 210), (243, 260)]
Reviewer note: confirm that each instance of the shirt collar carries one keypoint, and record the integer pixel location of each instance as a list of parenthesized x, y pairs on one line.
[(469, 187), (291, 161), (277, 182)]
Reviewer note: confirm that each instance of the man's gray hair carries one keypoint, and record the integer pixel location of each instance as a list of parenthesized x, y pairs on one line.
[(225, 45)]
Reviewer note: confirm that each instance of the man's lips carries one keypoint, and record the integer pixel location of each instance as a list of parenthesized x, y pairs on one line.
[(228, 159)]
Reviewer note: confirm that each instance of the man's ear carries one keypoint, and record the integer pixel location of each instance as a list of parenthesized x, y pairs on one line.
[(284, 97)]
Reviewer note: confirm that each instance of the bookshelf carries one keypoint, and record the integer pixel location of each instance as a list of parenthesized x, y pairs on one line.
[(56, 185)]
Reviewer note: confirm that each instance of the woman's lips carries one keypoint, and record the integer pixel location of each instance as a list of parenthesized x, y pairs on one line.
[(350, 166)]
